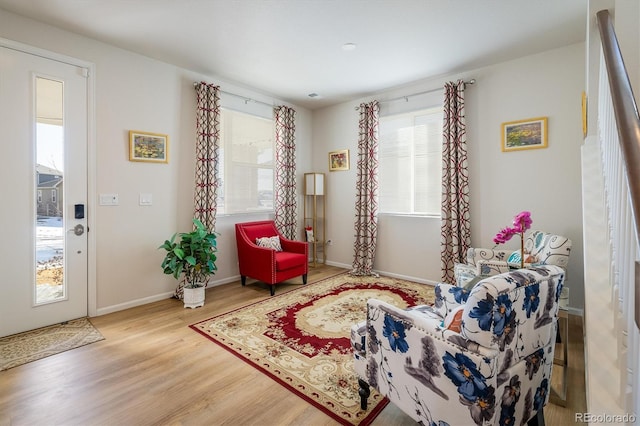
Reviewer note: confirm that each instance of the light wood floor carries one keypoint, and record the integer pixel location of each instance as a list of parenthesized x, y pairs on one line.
[(152, 369)]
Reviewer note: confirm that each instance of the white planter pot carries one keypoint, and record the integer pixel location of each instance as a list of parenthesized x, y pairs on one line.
[(193, 297)]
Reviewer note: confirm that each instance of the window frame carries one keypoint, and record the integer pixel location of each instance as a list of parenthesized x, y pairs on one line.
[(417, 111), (227, 165)]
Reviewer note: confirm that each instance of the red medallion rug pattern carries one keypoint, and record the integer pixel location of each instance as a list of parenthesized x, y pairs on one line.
[(301, 338)]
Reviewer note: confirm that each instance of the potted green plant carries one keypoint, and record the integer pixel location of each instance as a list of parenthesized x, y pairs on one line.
[(192, 256)]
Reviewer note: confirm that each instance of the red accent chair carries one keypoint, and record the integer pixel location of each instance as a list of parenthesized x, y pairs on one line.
[(267, 264)]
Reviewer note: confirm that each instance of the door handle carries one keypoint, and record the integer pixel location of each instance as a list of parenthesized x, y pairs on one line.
[(78, 229)]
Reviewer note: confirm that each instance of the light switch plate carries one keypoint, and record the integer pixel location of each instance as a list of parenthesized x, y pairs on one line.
[(146, 199)]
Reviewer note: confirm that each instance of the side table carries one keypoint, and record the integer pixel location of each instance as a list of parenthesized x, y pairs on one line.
[(560, 397)]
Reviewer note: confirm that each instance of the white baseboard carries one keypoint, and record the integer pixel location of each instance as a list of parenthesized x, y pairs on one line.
[(576, 311), (133, 303), (168, 295), (408, 278), (223, 281), (387, 274), (155, 298), (339, 265)]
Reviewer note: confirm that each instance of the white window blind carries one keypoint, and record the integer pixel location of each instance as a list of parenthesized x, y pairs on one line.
[(410, 162), (246, 163)]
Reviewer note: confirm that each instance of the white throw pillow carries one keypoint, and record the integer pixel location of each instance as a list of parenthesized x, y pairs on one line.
[(463, 273), (269, 242)]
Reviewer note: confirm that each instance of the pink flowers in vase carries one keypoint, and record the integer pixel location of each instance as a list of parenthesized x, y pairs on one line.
[(504, 235), (521, 222)]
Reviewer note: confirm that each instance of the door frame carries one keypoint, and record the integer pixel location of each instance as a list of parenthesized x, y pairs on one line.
[(92, 292)]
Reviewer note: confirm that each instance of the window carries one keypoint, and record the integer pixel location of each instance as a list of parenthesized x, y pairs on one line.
[(246, 163), (410, 162), (54, 195), (39, 196)]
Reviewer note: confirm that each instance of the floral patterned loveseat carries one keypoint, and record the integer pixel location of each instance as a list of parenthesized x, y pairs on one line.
[(480, 357), (541, 248)]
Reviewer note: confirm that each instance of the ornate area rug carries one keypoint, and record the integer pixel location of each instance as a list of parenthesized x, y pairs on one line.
[(301, 338), (36, 344)]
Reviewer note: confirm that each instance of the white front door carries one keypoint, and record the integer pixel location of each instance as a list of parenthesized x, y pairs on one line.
[(43, 175)]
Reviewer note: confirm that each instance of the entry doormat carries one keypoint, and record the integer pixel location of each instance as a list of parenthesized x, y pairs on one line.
[(29, 346), (301, 338)]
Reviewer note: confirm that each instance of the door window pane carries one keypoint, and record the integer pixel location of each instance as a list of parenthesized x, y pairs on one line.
[(49, 168)]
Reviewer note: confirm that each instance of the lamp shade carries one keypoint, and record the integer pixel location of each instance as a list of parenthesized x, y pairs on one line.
[(314, 183)]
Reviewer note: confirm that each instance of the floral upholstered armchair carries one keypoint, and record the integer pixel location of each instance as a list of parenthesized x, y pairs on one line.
[(541, 248), (483, 356)]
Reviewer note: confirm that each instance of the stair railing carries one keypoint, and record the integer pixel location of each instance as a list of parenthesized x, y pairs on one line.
[(619, 135)]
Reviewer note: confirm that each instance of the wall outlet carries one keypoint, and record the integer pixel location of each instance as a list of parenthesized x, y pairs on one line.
[(109, 200)]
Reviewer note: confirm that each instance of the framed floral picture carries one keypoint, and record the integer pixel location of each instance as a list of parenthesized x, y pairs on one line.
[(339, 160), (524, 134), (148, 147)]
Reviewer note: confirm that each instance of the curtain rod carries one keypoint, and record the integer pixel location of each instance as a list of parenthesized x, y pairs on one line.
[(246, 99), (406, 97)]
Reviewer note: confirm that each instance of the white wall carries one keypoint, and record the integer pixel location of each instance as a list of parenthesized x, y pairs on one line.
[(543, 181), (133, 92), (626, 17)]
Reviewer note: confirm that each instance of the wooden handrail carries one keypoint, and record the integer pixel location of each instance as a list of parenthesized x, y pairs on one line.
[(627, 123)]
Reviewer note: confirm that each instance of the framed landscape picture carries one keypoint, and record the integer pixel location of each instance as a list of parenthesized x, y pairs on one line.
[(524, 134), (149, 147), (339, 160)]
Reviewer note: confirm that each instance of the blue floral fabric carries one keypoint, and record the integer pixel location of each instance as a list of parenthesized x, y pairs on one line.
[(394, 332), (496, 370)]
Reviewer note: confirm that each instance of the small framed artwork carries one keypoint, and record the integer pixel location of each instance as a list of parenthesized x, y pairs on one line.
[(339, 160), (149, 147), (309, 234), (524, 134)]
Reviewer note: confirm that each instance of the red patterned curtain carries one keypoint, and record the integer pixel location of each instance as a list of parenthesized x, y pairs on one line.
[(207, 147), (366, 224), (285, 179), (455, 227), (207, 153)]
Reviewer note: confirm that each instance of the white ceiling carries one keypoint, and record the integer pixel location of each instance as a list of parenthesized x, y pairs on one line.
[(291, 48)]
